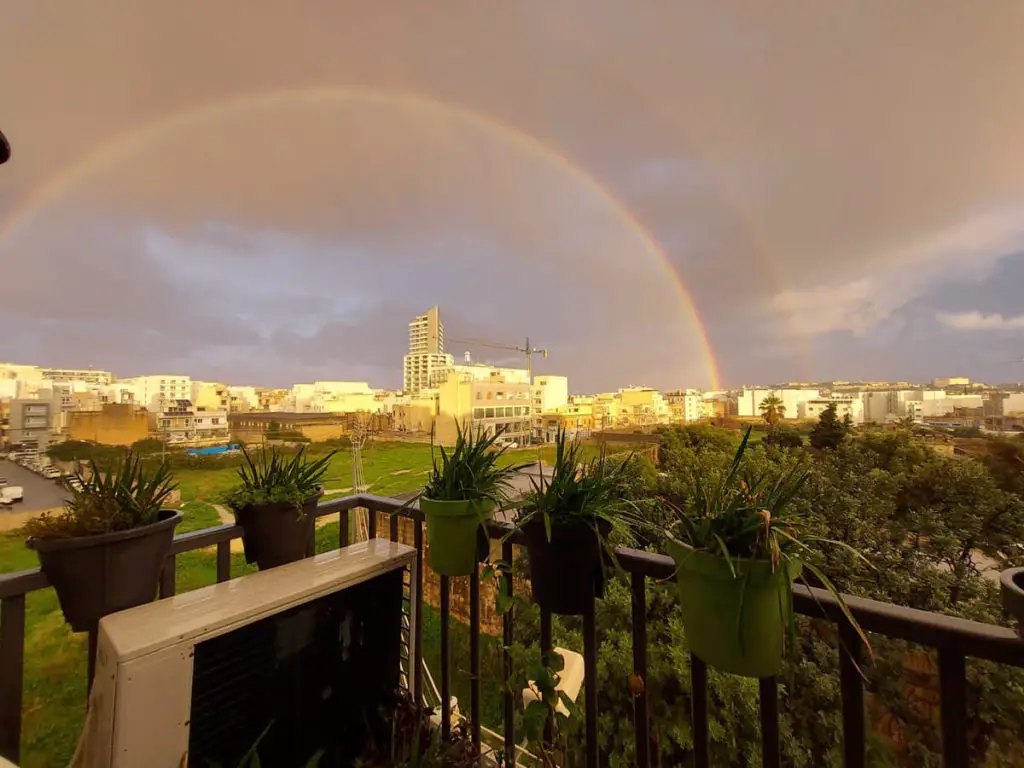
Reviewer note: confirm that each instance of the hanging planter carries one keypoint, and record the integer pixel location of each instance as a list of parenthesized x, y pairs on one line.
[(465, 485), (568, 572), (738, 623), (566, 519), (277, 533), (1011, 583), (104, 552), (456, 534), (737, 554), (275, 505)]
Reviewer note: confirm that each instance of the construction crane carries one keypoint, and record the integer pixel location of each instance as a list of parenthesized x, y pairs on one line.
[(526, 349)]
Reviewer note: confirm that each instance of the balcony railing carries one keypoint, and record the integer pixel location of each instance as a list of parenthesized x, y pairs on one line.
[(954, 639)]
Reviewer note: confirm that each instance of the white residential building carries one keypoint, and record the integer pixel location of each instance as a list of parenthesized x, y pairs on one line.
[(154, 393), (334, 397), (846, 405), (426, 352), (686, 405), (1013, 405), (748, 403)]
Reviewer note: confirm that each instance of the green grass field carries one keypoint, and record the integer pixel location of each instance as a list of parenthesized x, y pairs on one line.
[(55, 658)]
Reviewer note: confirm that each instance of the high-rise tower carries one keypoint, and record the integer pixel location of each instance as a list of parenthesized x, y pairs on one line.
[(426, 351)]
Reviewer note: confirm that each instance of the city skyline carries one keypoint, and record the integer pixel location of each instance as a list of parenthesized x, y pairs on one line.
[(831, 202)]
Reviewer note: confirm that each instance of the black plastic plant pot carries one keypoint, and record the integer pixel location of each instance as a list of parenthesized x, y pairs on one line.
[(1011, 583), (275, 534), (566, 573), (98, 575)]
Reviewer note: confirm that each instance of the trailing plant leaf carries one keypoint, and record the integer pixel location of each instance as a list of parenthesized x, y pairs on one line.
[(119, 498)]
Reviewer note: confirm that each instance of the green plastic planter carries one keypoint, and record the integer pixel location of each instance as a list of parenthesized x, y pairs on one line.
[(452, 536), (737, 624)]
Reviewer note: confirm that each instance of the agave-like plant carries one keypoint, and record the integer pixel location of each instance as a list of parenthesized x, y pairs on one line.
[(471, 469), (268, 477), (738, 515), (588, 492), (118, 498)]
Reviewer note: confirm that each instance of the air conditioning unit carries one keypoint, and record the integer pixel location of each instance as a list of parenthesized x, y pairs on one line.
[(304, 654)]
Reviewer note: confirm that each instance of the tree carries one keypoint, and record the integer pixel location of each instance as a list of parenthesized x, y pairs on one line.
[(782, 436), (772, 410), (829, 432)]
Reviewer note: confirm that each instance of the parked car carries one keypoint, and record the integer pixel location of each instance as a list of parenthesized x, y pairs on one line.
[(4, 481), (52, 473), (13, 492)]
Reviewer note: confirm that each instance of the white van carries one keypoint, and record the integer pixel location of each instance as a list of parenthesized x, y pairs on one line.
[(13, 492)]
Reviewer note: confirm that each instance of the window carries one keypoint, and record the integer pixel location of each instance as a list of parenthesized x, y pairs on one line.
[(490, 413), (479, 395), (519, 410), (478, 413), (508, 411)]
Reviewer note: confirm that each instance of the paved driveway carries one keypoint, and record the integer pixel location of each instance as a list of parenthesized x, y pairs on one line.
[(40, 493)]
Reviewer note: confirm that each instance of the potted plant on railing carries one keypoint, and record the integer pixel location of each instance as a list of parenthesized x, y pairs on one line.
[(104, 551), (737, 554), (275, 504), (567, 519), (460, 496)]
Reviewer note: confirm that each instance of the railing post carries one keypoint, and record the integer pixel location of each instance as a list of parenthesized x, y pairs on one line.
[(770, 753), (417, 628), (474, 656), (223, 561), (93, 640), (507, 638), (371, 523), (953, 692), (699, 710), (590, 685), (446, 676), (12, 674), (640, 710), (343, 523), (545, 649), (393, 526), (852, 689), (167, 585)]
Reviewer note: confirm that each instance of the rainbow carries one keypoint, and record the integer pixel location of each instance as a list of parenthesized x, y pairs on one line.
[(135, 141)]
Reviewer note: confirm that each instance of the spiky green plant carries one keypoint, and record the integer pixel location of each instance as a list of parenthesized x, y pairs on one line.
[(580, 492), (470, 470), (738, 515), (119, 498), (268, 477)]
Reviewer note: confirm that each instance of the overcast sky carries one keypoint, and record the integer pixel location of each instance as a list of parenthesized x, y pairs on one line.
[(266, 192)]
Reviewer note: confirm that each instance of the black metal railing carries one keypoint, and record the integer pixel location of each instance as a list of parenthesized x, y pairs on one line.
[(954, 639)]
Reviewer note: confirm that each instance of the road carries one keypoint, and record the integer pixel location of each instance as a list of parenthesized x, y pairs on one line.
[(40, 493)]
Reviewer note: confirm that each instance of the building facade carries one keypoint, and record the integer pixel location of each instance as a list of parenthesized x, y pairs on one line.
[(30, 423), (426, 352), (492, 406)]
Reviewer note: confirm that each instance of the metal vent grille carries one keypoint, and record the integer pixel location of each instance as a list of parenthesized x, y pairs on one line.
[(316, 675)]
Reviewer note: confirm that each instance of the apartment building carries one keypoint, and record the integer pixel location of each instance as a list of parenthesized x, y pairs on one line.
[(156, 393), (242, 399), (86, 375), (493, 405), (685, 405), (846, 405), (642, 406), (111, 424), (334, 397), (212, 395), (748, 402), (426, 352), (30, 423), (181, 422), (550, 394)]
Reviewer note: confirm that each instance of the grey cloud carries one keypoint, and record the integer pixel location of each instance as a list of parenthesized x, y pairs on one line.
[(784, 155)]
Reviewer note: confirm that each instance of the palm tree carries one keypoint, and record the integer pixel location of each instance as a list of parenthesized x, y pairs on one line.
[(772, 410)]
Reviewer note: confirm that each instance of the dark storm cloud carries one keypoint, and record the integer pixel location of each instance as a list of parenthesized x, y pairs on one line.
[(814, 171)]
